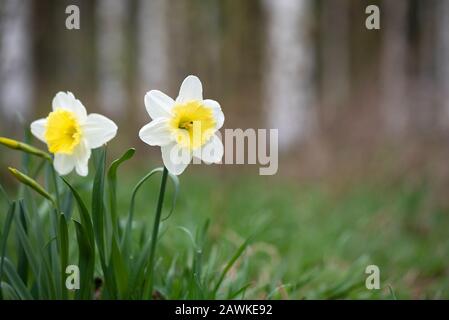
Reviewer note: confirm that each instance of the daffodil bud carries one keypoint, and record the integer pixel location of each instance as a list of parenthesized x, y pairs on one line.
[(13, 144), (30, 183)]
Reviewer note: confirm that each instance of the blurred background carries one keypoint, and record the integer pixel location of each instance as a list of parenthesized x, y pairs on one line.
[(338, 93), (363, 115)]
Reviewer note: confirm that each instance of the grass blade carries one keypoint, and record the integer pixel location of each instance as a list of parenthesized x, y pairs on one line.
[(63, 250), (231, 262), (86, 221), (4, 238), (125, 238), (86, 261), (15, 281), (112, 182), (98, 206)]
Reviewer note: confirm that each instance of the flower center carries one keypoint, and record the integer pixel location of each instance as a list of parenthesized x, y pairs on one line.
[(63, 132), (193, 124)]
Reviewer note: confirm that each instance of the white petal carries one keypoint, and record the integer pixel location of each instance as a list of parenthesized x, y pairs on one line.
[(212, 151), (216, 109), (158, 104), (38, 129), (97, 130), (82, 154), (191, 89), (175, 158), (68, 101), (156, 133), (64, 163)]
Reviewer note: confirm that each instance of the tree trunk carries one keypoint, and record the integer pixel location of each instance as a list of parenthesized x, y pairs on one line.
[(153, 42), (111, 16), (394, 66), (335, 56), (16, 79), (289, 90), (442, 59)]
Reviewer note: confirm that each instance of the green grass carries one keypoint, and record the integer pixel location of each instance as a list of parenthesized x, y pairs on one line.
[(235, 236), (308, 240)]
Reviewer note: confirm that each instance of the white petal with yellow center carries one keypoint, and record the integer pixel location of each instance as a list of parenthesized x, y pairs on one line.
[(187, 125), (70, 133), (62, 131)]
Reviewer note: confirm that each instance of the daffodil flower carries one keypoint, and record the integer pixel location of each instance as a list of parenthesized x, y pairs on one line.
[(70, 133), (187, 125)]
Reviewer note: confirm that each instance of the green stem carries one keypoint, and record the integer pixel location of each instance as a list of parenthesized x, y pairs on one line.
[(148, 288), (62, 234), (55, 184)]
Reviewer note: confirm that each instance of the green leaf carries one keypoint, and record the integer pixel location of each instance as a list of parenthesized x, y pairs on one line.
[(30, 252), (86, 263), (98, 206), (67, 206), (236, 293), (230, 263), (175, 181), (15, 281), (138, 271), (119, 268), (112, 182), (84, 214), (4, 239), (127, 234), (63, 250), (22, 264), (8, 292)]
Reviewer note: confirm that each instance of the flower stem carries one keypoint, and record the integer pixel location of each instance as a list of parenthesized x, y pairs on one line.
[(148, 288), (56, 188)]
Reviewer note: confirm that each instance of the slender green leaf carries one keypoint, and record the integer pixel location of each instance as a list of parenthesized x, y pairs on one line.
[(125, 239), (63, 250), (112, 182), (30, 252), (230, 263), (15, 281), (67, 205), (175, 181), (98, 206), (8, 292), (119, 268), (4, 238), (86, 263), (84, 214), (22, 264)]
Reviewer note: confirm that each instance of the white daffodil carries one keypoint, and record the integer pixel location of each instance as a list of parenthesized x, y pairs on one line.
[(70, 133), (187, 125)]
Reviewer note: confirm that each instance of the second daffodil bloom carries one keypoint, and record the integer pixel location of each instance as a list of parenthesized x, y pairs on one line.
[(185, 127), (70, 133)]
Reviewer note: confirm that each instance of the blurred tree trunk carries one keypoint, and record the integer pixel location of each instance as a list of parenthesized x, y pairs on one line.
[(111, 16), (335, 56), (153, 44), (442, 59), (426, 89), (16, 78), (289, 91), (394, 65)]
